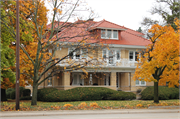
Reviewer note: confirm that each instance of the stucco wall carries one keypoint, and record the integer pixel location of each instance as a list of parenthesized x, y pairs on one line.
[(61, 53)]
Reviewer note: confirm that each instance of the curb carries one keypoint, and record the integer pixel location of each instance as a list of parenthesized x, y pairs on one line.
[(85, 112)]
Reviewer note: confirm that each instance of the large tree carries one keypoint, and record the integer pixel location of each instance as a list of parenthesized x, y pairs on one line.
[(37, 59), (160, 61), (168, 10), (8, 38)]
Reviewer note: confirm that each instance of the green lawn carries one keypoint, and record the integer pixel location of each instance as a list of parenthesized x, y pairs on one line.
[(110, 104)]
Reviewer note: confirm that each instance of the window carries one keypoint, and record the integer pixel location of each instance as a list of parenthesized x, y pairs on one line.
[(109, 34), (133, 56), (49, 81), (136, 56), (103, 33), (104, 54), (71, 53), (140, 83), (111, 56), (78, 54), (117, 55), (115, 34)]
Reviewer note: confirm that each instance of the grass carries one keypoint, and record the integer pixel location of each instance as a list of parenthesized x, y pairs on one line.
[(104, 104)]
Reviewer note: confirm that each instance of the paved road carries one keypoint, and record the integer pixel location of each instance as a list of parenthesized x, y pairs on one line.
[(106, 116)]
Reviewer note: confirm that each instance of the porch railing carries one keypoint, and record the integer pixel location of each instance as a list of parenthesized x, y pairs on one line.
[(101, 63)]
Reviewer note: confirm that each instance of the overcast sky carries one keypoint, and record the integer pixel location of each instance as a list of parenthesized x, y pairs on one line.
[(128, 13)]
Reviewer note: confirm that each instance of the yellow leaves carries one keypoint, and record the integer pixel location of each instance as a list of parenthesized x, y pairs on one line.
[(94, 104), (139, 105), (68, 105), (165, 43), (83, 104)]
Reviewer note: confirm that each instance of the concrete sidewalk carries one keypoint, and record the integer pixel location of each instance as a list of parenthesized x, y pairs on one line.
[(84, 112)]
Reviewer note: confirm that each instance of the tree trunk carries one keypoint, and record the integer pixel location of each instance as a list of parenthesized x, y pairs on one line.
[(34, 95), (156, 98)]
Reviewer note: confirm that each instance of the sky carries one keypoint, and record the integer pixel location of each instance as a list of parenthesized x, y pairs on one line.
[(128, 13)]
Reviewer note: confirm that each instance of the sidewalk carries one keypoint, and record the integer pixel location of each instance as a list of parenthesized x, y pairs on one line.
[(84, 112)]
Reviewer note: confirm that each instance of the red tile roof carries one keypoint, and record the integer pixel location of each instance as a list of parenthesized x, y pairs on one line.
[(106, 24), (128, 36), (56, 24)]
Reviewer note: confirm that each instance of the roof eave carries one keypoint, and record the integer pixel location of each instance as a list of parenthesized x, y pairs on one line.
[(107, 28)]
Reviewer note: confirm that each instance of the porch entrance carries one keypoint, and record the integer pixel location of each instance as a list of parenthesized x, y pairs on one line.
[(77, 79)]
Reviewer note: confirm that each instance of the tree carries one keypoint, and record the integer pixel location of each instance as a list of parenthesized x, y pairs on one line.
[(27, 33), (139, 29), (60, 34), (167, 9), (160, 61)]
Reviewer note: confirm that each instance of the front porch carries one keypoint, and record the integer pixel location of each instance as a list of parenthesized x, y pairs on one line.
[(113, 80)]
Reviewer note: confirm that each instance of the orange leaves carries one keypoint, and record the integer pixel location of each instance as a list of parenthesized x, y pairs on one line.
[(68, 105), (94, 104), (139, 105), (82, 105), (164, 53), (5, 84)]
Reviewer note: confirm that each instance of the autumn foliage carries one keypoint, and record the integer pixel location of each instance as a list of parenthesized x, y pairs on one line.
[(161, 57)]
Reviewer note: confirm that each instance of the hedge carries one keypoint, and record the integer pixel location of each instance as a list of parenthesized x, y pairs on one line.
[(83, 94), (11, 92), (44, 91), (26, 98), (8, 92), (26, 92), (165, 93)]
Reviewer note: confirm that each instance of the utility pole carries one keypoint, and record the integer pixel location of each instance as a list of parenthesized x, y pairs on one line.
[(17, 55)]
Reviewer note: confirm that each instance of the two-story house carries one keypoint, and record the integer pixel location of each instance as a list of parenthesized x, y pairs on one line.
[(119, 59)]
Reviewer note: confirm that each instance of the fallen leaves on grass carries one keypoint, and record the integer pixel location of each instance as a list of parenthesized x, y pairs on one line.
[(86, 105)]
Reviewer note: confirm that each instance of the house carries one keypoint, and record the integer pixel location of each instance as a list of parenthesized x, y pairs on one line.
[(119, 58)]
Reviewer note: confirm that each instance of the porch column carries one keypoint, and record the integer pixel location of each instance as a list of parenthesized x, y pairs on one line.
[(66, 80), (113, 80)]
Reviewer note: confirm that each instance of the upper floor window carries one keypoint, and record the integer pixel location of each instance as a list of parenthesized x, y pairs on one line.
[(78, 54), (104, 54), (118, 55), (133, 56), (111, 55), (109, 34)]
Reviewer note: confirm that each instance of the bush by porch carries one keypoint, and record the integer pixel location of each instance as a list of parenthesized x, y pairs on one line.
[(83, 94)]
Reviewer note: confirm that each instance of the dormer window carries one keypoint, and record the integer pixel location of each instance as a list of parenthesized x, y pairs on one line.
[(109, 34)]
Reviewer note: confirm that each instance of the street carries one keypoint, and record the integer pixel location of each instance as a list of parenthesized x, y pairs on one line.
[(106, 116)]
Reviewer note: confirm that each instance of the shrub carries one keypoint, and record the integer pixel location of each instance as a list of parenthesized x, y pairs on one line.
[(8, 92), (83, 94), (21, 91), (13, 94), (43, 92), (26, 98), (120, 95), (165, 93), (26, 92)]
